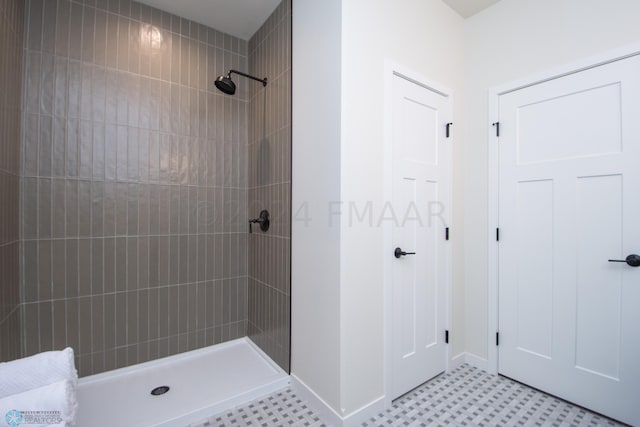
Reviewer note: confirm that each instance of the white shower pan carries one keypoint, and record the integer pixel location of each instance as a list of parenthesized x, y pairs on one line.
[(202, 383)]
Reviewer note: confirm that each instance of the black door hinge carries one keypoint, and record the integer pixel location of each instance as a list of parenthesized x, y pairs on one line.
[(446, 337), (497, 234), (497, 126), (497, 338), (446, 233), (448, 131)]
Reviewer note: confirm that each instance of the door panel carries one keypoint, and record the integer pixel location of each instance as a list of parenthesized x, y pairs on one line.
[(598, 290), (569, 172), (420, 189), (535, 267), (420, 142), (564, 134), (408, 277)]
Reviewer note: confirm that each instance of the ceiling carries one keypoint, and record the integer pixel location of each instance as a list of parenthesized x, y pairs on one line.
[(467, 8), (240, 18)]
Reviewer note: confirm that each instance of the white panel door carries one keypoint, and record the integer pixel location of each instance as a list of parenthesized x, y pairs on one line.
[(421, 170), (569, 202)]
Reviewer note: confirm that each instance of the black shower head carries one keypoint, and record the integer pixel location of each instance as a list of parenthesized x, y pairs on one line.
[(226, 85)]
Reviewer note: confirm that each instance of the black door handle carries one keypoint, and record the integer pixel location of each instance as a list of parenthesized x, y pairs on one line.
[(399, 252), (632, 260)]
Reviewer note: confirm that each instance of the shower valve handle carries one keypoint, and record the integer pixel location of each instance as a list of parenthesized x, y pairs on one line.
[(263, 220)]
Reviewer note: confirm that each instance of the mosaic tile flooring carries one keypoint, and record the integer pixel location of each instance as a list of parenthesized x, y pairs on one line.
[(465, 396)]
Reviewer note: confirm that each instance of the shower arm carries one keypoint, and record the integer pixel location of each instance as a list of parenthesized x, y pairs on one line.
[(263, 81)]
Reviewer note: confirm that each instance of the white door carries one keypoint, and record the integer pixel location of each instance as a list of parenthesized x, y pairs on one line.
[(421, 170), (570, 201)]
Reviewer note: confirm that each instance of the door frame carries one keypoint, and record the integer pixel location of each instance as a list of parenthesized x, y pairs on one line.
[(594, 61), (391, 69)]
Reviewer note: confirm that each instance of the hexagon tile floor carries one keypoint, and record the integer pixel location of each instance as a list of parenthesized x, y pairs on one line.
[(466, 396)]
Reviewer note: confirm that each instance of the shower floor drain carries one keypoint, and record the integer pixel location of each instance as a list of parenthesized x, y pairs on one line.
[(160, 390)]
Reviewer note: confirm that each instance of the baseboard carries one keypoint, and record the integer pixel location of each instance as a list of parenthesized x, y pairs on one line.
[(477, 361), (328, 414), (470, 359), (357, 417), (457, 361)]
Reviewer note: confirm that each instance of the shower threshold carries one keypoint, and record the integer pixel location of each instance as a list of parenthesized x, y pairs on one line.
[(200, 383)]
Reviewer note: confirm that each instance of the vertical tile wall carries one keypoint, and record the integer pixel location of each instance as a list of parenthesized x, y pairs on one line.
[(270, 185), (11, 35), (134, 184)]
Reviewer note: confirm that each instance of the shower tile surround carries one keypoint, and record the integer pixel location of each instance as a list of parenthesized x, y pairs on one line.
[(134, 185), (269, 286), (11, 41)]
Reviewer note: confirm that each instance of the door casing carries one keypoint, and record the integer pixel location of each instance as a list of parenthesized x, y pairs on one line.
[(493, 168), (392, 68)]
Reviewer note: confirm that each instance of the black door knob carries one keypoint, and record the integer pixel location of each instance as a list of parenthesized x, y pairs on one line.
[(632, 260), (399, 252)]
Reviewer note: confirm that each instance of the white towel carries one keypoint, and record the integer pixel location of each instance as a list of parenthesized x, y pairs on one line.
[(37, 371), (52, 405)]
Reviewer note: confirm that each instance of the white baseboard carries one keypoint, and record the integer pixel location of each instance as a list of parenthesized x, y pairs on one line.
[(457, 360), (357, 417), (328, 414), (477, 361), (371, 409), (470, 359)]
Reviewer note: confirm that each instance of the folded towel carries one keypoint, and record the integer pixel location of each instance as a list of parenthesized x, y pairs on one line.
[(36, 371), (51, 405)]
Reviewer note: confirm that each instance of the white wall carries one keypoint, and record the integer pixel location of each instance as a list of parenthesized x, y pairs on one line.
[(427, 37), (339, 50), (315, 273), (511, 40)]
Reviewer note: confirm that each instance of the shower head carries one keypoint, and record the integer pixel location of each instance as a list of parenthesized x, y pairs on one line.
[(226, 85)]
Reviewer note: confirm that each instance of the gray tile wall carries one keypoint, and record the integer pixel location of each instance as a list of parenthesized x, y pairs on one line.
[(134, 184), (270, 186), (11, 41)]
